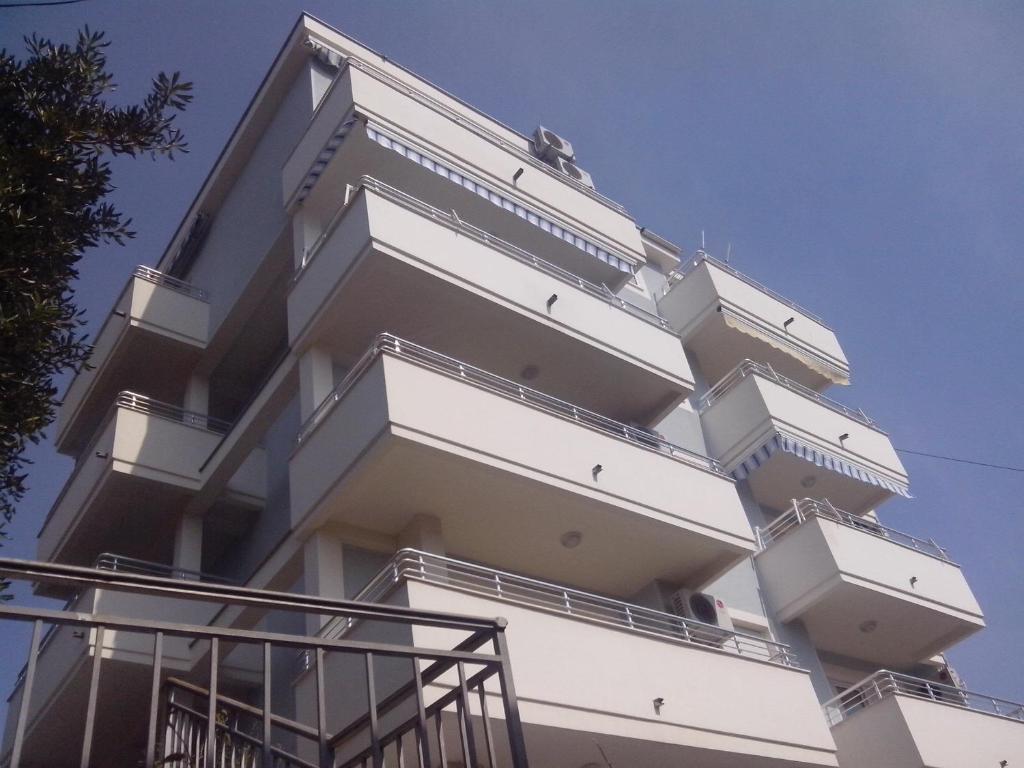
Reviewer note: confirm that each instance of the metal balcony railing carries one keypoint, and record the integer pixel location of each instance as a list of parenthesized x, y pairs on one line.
[(109, 561), (480, 662), (386, 343), (450, 219), (750, 368), (174, 283), (804, 510), (883, 684), (702, 256), (413, 565), (147, 405)]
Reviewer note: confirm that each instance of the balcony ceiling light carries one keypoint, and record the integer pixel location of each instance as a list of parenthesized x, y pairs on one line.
[(530, 372), (809, 481), (869, 626), (571, 539)]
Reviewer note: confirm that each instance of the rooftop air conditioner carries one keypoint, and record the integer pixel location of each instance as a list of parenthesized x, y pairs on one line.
[(714, 626), (549, 145), (573, 171)]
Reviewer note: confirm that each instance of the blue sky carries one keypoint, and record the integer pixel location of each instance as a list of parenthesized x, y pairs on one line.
[(865, 159)]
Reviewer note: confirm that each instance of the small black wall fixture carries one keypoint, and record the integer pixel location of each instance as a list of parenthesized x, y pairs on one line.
[(597, 470), (516, 175), (551, 300)]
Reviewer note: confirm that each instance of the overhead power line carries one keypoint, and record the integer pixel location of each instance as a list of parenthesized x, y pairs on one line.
[(961, 461), (40, 4)]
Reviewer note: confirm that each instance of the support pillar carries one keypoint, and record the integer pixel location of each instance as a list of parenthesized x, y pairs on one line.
[(188, 545), (316, 380), (324, 574), (197, 399)]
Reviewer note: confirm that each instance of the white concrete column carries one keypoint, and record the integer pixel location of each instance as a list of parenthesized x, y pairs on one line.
[(424, 533), (197, 397), (323, 572), (316, 380), (305, 231), (188, 542)]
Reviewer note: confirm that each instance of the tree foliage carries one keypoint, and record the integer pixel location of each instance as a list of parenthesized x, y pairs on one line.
[(57, 131)]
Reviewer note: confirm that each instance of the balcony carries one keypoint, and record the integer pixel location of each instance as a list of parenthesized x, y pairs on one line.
[(434, 277), (369, 124), (174, 690), (156, 331), (786, 439), (591, 671), (723, 317), (905, 722), (131, 484), (863, 590), (412, 431)]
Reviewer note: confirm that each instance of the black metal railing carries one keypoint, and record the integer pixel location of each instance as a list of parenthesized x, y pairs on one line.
[(379, 717)]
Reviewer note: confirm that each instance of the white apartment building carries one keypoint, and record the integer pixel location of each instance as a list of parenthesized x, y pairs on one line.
[(399, 352)]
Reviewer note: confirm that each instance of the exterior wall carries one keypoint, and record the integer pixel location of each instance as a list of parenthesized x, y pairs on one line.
[(252, 215), (271, 523)]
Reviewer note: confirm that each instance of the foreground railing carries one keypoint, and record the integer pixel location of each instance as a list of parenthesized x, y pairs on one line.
[(808, 509), (147, 405), (413, 565), (881, 685), (451, 219), (174, 283), (208, 733), (386, 343), (750, 368), (111, 562)]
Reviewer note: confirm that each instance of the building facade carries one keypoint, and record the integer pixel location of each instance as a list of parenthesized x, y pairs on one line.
[(399, 352)]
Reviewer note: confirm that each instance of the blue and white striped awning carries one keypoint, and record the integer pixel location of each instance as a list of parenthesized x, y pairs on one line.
[(512, 206), (787, 444), (322, 159)]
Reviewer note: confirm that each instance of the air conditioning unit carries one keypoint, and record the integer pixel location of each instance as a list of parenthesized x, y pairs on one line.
[(714, 627), (573, 171), (549, 145)]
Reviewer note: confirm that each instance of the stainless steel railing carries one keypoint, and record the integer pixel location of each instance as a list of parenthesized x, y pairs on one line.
[(804, 510), (702, 256), (147, 405), (883, 684), (750, 368), (174, 283), (387, 343), (414, 565), (109, 561), (448, 218)]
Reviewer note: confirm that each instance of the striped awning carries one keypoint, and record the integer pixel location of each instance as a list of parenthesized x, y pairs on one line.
[(788, 444), (493, 196)]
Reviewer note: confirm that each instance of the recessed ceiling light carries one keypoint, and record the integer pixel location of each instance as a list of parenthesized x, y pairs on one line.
[(529, 373), (809, 481), (869, 626), (571, 539)]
